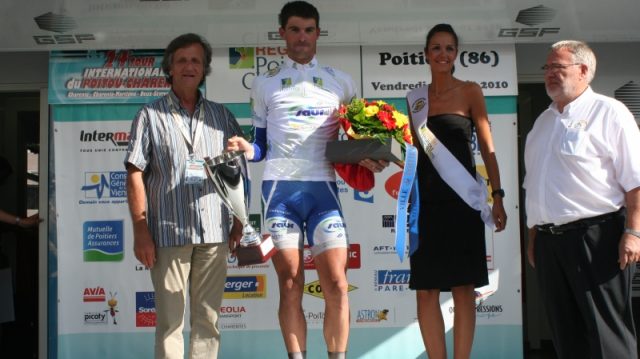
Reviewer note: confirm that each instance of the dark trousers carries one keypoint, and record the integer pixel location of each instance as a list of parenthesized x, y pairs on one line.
[(587, 296)]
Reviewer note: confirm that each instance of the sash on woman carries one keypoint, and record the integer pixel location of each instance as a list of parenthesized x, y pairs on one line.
[(472, 190)]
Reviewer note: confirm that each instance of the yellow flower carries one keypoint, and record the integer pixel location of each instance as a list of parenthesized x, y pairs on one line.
[(381, 103), (401, 119), (370, 111)]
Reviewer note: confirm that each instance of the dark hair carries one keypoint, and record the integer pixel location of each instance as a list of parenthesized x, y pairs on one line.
[(183, 41), (298, 8), (5, 169), (441, 28)]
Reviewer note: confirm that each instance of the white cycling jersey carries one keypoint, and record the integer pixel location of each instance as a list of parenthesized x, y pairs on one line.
[(297, 105)]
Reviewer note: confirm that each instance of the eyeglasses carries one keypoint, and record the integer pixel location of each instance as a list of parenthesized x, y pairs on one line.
[(556, 67)]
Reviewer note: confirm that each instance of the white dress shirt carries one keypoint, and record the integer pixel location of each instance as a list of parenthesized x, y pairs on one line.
[(581, 162)]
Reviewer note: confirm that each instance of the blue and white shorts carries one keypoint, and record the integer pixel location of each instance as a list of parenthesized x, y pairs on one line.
[(296, 207)]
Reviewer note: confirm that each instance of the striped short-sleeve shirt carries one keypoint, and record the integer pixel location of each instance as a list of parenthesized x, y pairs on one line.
[(179, 213)]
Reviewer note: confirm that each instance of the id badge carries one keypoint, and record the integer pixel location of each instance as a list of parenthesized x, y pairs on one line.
[(195, 171)]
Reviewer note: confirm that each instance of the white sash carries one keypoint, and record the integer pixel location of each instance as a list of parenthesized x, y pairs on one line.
[(473, 191)]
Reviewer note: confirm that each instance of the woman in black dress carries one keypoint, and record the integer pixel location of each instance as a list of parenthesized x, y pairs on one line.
[(451, 255)]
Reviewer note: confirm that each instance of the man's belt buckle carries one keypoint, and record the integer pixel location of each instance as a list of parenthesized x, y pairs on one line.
[(553, 229)]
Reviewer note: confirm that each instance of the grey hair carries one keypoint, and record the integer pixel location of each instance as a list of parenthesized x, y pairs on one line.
[(582, 54)]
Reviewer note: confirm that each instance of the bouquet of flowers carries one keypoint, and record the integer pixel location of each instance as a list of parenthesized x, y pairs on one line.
[(376, 120)]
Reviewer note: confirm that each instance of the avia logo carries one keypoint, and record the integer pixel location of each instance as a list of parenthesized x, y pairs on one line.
[(59, 23), (532, 17), (314, 289), (96, 294), (117, 138), (241, 57), (629, 94)]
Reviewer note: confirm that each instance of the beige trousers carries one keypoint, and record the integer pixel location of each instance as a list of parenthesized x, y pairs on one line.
[(202, 270)]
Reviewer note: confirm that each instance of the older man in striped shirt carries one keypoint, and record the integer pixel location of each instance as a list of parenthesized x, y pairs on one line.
[(180, 226)]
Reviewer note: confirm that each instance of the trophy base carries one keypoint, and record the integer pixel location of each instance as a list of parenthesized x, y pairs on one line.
[(256, 254)]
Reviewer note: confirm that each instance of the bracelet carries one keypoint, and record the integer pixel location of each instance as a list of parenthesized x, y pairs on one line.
[(499, 192), (632, 232), (17, 221)]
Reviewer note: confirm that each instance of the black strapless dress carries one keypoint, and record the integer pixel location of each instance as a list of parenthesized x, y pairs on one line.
[(452, 249)]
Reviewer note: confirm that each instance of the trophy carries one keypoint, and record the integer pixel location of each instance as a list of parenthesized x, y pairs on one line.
[(228, 173)]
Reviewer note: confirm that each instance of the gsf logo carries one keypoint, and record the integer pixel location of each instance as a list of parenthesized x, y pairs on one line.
[(528, 31), (63, 39)]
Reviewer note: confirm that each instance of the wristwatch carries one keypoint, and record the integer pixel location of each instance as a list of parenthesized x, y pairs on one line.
[(499, 192), (632, 232)]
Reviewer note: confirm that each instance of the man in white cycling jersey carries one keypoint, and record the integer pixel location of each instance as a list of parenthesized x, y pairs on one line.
[(294, 116)]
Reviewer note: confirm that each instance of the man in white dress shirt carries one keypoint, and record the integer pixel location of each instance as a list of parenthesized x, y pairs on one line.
[(582, 195)]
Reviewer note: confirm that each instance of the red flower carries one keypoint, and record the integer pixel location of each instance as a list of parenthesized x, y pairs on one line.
[(387, 119)]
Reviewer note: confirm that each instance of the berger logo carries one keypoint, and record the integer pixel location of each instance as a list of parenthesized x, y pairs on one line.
[(241, 57), (96, 294), (387, 280), (60, 24), (145, 309), (95, 318), (275, 35), (245, 286), (363, 196), (119, 139), (103, 241), (315, 290), (629, 94), (392, 185), (99, 185), (531, 17), (371, 315)]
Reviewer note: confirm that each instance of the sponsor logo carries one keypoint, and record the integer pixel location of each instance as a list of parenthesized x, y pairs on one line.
[(232, 311), (141, 267), (353, 261), (314, 317), (392, 185), (315, 290), (629, 94), (260, 59), (118, 139), (233, 325), (104, 188), (386, 249), (103, 241), (489, 310), (96, 294), (532, 16), (387, 280), (371, 315), (60, 24), (363, 196), (245, 286), (145, 309), (113, 307), (241, 58), (404, 59), (418, 105), (388, 220), (95, 318)]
